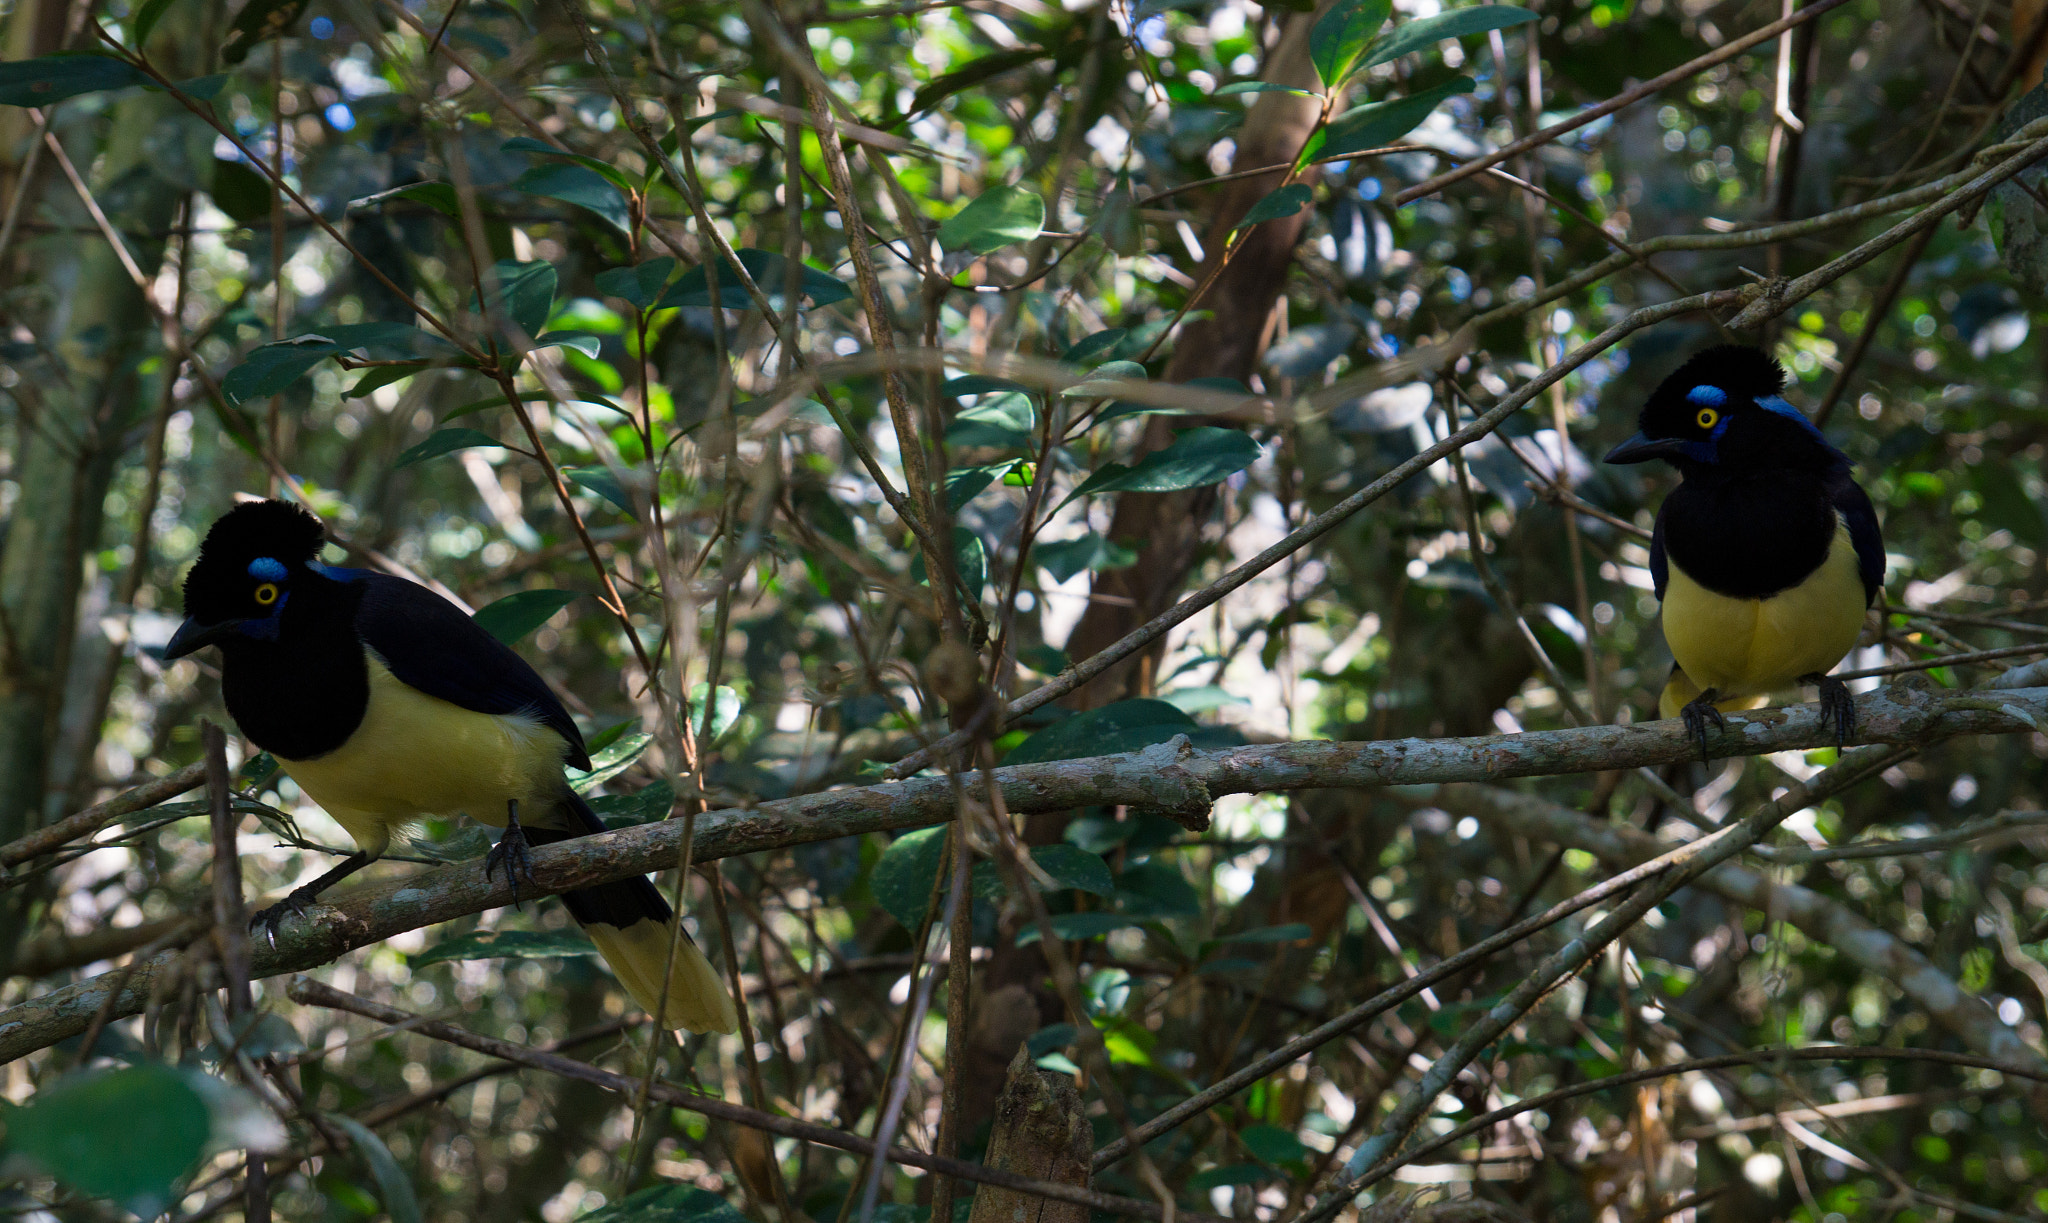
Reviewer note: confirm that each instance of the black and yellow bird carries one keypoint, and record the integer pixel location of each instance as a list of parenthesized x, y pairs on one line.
[(1767, 555), (386, 704)]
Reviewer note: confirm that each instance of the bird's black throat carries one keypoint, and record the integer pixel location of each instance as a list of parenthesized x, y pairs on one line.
[(302, 695), (1749, 534)]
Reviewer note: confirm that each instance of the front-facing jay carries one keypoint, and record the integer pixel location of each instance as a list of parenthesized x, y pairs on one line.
[(386, 703), (1767, 556)]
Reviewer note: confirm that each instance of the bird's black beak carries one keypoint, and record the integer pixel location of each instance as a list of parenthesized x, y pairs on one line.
[(1641, 449), (192, 636)]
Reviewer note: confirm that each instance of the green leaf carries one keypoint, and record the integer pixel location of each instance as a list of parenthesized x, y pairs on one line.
[(1415, 35), (1284, 202), (273, 367), (579, 186), (440, 197), (668, 1204), (1340, 36), (993, 220), (1092, 552), (964, 484), (975, 71), (1098, 383), (1156, 889), (161, 1120), (145, 21), (511, 618), (770, 272), (903, 875), (640, 284), (444, 441), (1292, 932), (240, 192), (1123, 726), (1099, 344), (53, 78), (392, 1183), (980, 384), (1262, 87), (970, 563), (504, 945), (525, 293), (610, 761), (1070, 866), (1076, 927), (604, 170), (725, 714), (205, 88), (601, 481), (582, 341), (1197, 457), (1272, 1144), (647, 805), (1229, 1174), (1382, 123), (381, 376)]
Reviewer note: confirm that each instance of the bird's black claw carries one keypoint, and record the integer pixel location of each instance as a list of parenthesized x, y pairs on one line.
[(1837, 706), (266, 921), (511, 853), (1700, 712)]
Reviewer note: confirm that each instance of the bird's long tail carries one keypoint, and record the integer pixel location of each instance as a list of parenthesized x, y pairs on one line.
[(634, 928)]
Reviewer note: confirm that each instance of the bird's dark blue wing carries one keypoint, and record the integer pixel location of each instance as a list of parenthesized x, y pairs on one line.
[(1854, 505), (431, 645), (1660, 565)]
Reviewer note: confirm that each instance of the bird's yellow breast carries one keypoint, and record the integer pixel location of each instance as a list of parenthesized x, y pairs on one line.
[(1749, 647), (416, 755)]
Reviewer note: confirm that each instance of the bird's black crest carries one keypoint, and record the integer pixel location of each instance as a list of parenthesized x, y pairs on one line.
[(1734, 368), (286, 533)]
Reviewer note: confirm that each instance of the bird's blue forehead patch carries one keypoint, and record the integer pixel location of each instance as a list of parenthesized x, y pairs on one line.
[(1707, 396), (267, 569)]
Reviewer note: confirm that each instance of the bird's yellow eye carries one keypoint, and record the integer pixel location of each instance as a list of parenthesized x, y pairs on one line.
[(1707, 418), (266, 594)]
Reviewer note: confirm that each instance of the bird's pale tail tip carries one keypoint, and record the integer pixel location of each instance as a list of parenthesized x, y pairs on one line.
[(697, 998)]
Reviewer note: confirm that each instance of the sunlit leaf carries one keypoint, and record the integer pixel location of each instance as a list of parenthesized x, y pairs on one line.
[(1340, 36), (504, 945), (1422, 32), (995, 219), (1382, 123)]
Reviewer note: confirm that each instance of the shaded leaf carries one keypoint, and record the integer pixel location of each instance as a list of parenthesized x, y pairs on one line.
[(1420, 33), (525, 293), (1262, 87), (647, 805), (53, 78), (979, 384), (240, 192), (724, 714), (442, 441), (601, 481), (1272, 1144), (640, 284), (163, 1123), (604, 170), (770, 273), (1284, 202), (392, 1183), (611, 760), (1092, 552), (1123, 726), (1078, 927), (1197, 457), (1382, 123), (995, 219), (941, 87), (668, 1204), (511, 618), (145, 21), (903, 875), (504, 945), (1070, 866), (573, 184)]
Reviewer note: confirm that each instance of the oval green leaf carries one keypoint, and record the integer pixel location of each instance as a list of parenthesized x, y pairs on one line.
[(511, 618), (1418, 34), (995, 219), (504, 945), (1284, 202), (444, 441), (1382, 123)]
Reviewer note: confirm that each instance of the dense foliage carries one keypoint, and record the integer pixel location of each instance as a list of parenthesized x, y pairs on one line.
[(689, 341)]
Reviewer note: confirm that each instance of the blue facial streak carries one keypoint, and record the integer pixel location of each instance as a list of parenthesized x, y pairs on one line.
[(1708, 451), (1707, 396), (268, 570), (265, 628)]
